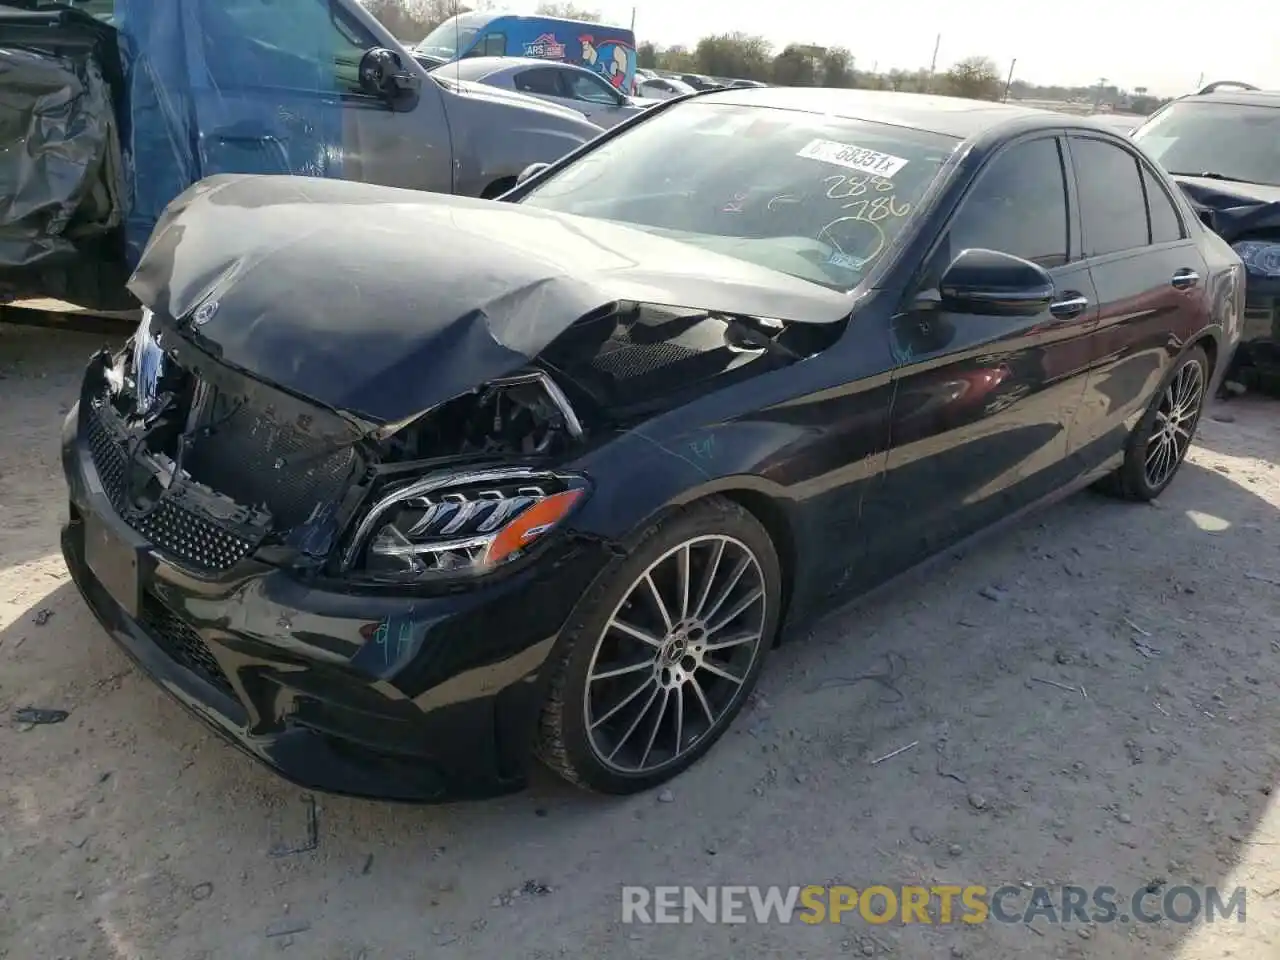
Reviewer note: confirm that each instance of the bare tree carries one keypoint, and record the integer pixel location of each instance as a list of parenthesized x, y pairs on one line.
[(737, 55), (975, 77), (795, 66), (568, 11), (413, 19), (837, 68)]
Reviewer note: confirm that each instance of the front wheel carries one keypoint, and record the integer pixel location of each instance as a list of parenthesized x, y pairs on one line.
[(659, 658), (1160, 442)]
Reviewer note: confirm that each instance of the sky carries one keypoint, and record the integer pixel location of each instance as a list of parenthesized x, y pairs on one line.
[(1164, 45)]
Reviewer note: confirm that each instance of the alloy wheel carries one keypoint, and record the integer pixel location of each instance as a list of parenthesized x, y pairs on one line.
[(1174, 424), (673, 656)]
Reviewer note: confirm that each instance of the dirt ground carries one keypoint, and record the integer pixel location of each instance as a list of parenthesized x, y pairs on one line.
[(128, 831)]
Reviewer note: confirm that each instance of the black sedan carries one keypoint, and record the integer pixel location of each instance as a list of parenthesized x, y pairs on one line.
[(398, 491)]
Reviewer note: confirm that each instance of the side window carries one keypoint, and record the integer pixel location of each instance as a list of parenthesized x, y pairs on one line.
[(1018, 205), (493, 45), (313, 45), (1166, 225), (588, 87), (539, 80), (1111, 200)]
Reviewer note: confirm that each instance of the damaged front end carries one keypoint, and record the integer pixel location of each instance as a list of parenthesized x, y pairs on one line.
[(1248, 218), (213, 466)]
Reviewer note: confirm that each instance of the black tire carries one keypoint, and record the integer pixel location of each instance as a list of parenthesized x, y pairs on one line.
[(1132, 480), (497, 188), (565, 741)]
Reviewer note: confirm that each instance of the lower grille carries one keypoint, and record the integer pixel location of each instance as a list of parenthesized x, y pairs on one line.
[(180, 641), (176, 532)]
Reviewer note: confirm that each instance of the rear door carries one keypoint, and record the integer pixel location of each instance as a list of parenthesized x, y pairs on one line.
[(983, 404), (1149, 275)]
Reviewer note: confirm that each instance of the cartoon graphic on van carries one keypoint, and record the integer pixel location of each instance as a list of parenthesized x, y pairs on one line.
[(613, 60)]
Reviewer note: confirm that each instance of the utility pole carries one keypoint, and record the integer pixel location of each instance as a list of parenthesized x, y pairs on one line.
[(933, 64), (1097, 100), (633, 19), (1200, 83), (1009, 82)]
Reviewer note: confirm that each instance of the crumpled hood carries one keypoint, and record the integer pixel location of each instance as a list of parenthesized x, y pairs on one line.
[(1233, 209), (383, 302)]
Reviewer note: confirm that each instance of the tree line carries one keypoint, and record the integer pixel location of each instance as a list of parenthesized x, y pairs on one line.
[(744, 56)]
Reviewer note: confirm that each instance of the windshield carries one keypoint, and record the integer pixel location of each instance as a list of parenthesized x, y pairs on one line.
[(455, 34), (1236, 141), (816, 197)]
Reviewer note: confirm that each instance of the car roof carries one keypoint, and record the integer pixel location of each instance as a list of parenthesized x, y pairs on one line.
[(950, 116), (1249, 98), (484, 66)]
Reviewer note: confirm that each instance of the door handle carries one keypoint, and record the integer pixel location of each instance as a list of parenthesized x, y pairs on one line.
[(1185, 279), (1074, 305)]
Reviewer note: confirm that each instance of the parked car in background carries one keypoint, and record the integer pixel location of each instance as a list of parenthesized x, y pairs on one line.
[(1222, 146), (330, 94), (555, 480), (743, 84), (609, 52), (699, 82), (560, 83), (663, 88)]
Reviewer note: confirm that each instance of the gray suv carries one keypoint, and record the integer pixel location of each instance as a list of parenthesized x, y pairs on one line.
[(312, 87)]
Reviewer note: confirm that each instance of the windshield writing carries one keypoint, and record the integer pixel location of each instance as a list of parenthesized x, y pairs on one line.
[(817, 197)]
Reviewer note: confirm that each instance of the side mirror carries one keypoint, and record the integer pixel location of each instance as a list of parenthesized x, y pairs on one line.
[(532, 170), (383, 75), (996, 284)]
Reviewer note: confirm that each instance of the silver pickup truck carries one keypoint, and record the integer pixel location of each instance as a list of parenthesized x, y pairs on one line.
[(114, 107)]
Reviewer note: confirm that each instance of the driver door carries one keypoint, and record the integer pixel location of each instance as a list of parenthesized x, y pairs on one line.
[(983, 404), (587, 92), (284, 96)]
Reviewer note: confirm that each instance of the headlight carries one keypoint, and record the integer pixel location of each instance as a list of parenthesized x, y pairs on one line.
[(460, 523)]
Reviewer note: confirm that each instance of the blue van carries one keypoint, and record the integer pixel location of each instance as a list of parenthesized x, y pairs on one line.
[(610, 51)]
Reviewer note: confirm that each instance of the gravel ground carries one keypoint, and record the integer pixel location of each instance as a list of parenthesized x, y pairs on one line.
[(129, 832)]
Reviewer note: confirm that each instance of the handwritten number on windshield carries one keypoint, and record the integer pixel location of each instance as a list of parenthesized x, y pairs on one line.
[(871, 209), (842, 188)]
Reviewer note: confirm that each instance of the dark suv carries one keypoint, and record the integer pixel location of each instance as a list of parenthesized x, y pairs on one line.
[(1222, 146)]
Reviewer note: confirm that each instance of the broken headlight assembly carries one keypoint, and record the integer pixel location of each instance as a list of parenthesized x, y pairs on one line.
[(460, 524)]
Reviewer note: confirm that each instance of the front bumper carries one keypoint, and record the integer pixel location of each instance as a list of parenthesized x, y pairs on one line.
[(425, 699)]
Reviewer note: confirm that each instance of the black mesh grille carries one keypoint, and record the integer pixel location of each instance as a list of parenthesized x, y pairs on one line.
[(256, 460), (176, 532), (623, 358), (182, 643)]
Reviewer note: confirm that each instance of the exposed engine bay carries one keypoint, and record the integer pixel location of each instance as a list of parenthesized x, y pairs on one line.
[(281, 471), (607, 371)]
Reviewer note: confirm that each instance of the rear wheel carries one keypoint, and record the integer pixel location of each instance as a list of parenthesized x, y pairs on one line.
[(660, 657), (1160, 442)]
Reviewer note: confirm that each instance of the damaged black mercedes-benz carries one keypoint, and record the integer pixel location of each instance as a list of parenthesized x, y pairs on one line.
[(398, 491)]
